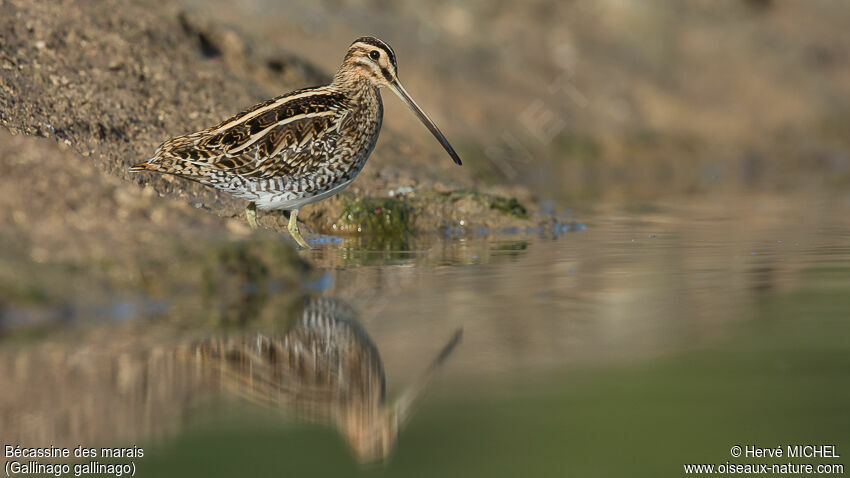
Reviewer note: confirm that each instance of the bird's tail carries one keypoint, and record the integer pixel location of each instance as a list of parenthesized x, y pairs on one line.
[(144, 166)]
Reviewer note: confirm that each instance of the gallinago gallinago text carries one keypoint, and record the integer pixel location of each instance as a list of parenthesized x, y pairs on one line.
[(298, 148)]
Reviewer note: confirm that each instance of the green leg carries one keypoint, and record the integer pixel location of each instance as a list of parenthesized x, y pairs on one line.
[(251, 215), (293, 230)]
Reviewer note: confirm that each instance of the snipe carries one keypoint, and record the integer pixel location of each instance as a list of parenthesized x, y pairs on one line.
[(324, 369), (297, 148)]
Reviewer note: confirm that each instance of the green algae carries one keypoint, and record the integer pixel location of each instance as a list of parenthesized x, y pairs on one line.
[(379, 216), (426, 210), (509, 206)]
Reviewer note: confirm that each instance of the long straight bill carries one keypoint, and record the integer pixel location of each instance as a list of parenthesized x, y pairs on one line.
[(404, 403), (399, 90)]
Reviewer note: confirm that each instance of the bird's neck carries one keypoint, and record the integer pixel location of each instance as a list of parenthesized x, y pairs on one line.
[(349, 79)]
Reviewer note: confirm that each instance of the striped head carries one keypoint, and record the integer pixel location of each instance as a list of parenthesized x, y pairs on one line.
[(373, 60)]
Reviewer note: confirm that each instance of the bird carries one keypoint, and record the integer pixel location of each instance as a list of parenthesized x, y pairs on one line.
[(324, 369), (300, 147)]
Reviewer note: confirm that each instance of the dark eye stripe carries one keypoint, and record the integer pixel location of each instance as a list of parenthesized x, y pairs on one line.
[(379, 44)]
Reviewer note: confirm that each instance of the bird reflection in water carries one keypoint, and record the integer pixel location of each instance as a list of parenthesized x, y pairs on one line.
[(325, 369)]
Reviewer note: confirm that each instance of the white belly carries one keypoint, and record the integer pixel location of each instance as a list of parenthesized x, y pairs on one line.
[(267, 201)]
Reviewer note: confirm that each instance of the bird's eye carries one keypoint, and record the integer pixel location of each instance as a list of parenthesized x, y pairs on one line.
[(374, 54)]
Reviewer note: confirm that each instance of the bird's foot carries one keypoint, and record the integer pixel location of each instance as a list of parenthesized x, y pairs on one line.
[(251, 216), (293, 230)]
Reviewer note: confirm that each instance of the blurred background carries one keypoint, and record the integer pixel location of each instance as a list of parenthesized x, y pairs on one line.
[(609, 99), (691, 294)]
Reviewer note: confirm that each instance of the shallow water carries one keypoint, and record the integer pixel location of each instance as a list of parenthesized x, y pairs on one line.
[(652, 336)]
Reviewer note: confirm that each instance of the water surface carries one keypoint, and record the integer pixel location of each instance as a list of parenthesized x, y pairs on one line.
[(646, 337)]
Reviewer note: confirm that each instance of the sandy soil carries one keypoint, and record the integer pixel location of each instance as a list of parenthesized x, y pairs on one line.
[(72, 234)]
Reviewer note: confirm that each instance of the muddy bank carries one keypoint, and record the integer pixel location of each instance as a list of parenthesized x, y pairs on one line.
[(77, 244), (111, 80)]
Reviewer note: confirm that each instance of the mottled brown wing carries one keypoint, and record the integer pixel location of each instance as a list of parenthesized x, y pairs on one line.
[(286, 136), (291, 149)]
